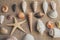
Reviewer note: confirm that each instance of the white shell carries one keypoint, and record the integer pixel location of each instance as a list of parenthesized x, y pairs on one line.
[(3, 30), (53, 5), (12, 38), (45, 6), (35, 4), (24, 6), (53, 14), (40, 26), (54, 32), (28, 37), (1, 19)]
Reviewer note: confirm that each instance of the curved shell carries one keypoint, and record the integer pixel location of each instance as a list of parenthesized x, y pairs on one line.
[(28, 37), (58, 24), (45, 6), (53, 14), (24, 5), (40, 26)]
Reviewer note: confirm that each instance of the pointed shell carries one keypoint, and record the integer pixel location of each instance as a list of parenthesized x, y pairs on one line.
[(40, 26), (53, 5), (1, 19), (53, 14), (12, 38), (24, 6), (28, 37), (45, 6), (3, 30)]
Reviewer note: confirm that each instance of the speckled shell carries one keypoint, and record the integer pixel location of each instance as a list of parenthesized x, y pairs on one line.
[(28, 37)]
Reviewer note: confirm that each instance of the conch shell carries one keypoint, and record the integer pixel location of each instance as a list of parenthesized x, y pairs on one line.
[(1, 19), (28, 37), (35, 4), (53, 14), (53, 5), (40, 26), (45, 6), (24, 5)]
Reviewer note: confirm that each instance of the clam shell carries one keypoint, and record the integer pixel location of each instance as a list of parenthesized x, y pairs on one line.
[(28, 37), (12, 38), (40, 26), (35, 4), (24, 5), (53, 5), (53, 14), (1, 19), (45, 6), (3, 30)]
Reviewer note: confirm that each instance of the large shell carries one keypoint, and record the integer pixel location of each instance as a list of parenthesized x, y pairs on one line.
[(1, 19), (53, 5), (35, 4), (3, 30), (54, 32), (40, 26), (28, 37), (24, 5), (53, 14), (12, 38), (45, 6)]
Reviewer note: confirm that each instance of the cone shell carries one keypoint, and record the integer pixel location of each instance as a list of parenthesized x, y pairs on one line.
[(28, 37)]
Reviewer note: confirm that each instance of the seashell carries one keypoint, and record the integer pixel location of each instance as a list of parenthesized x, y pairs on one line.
[(58, 24), (21, 15), (55, 32), (28, 37), (12, 38), (4, 8), (30, 20), (35, 4), (40, 26), (53, 14), (9, 17), (3, 30), (50, 24), (1, 19), (45, 6), (14, 7), (53, 5), (24, 6)]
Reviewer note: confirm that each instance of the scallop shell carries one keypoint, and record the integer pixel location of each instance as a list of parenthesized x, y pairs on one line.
[(3, 30), (1, 19), (40, 26), (12, 38), (28, 37), (35, 4), (53, 5), (24, 5), (45, 6), (53, 14)]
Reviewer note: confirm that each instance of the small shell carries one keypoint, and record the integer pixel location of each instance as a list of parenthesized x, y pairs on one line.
[(40, 26), (24, 6), (50, 24), (53, 5), (21, 15), (9, 17), (3, 30), (4, 8), (14, 7), (45, 6), (53, 14), (1, 19), (58, 24), (12, 38), (28, 37), (35, 4)]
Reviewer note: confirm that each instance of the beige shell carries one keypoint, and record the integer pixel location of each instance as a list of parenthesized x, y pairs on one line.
[(3, 30), (58, 24)]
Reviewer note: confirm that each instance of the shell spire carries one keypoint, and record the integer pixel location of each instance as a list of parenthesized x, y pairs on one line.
[(45, 6)]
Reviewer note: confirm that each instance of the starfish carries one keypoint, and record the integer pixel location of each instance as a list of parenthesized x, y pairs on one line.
[(16, 25)]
